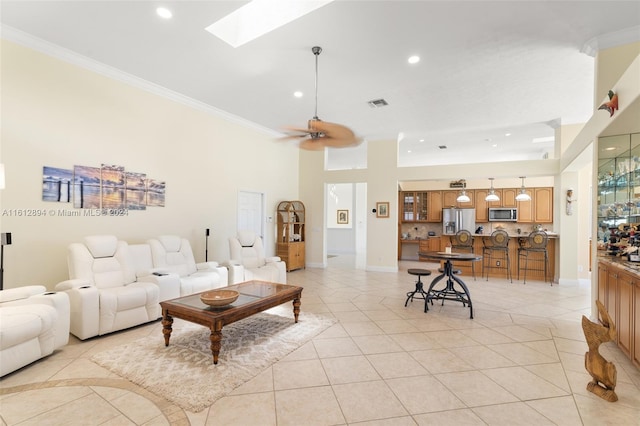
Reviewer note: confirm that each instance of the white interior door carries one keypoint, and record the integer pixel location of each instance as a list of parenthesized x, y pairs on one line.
[(251, 212)]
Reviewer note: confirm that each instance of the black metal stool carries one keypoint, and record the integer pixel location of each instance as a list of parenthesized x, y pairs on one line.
[(419, 291), (455, 271)]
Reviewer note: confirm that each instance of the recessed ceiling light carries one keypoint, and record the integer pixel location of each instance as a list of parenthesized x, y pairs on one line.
[(507, 134), (408, 151), (421, 140), (163, 12), (495, 145), (611, 148), (414, 59), (298, 94)]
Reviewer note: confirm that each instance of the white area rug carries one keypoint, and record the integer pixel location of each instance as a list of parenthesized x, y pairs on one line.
[(184, 372)]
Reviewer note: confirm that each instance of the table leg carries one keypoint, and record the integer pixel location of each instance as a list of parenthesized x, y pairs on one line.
[(449, 288), (466, 292), (216, 340), (167, 322), (296, 308), (428, 297)]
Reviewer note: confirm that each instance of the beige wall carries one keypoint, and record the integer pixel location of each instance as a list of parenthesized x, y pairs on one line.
[(58, 114)]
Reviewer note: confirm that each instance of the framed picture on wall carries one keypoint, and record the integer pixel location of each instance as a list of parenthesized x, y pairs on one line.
[(343, 217), (382, 209)]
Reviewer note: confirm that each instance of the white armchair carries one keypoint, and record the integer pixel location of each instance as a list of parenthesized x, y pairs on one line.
[(248, 261), (173, 254), (33, 323), (102, 289)]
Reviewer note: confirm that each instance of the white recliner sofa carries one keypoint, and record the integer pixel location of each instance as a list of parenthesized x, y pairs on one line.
[(248, 261), (33, 323), (171, 256), (103, 289)]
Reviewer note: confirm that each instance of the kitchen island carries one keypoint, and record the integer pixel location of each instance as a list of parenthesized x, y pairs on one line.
[(465, 267)]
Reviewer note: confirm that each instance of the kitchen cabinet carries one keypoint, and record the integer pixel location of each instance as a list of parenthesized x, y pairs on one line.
[(414, 206), (619, 292), (482, 206), (449, 199), (543, 205), (434, 206), (508, 197), (602, 283), (635, 357), (611, 290), (525, 209), (429, 244), (624, 309)]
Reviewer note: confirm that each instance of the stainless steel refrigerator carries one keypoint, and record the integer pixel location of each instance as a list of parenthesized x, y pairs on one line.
[(454, 220)]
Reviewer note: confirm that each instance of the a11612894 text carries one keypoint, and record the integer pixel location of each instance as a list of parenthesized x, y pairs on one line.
[(64, 212)]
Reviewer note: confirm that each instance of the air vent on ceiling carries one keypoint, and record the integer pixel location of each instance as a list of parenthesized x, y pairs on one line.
[(377, 103), (442, 146)]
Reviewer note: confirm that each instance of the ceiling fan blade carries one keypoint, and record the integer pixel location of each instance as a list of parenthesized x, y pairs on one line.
[(323, 134)]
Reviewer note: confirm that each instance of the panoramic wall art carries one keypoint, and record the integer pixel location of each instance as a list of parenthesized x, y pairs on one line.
[(104, 187), (56, 184)]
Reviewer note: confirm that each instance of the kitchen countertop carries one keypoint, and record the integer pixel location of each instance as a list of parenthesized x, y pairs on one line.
[(524, 234), (620, 262)]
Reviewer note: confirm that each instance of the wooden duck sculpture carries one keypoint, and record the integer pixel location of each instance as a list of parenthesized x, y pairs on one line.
[(603, 372)]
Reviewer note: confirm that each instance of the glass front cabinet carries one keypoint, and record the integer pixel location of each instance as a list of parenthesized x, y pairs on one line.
[(619, 180), (291, 234)]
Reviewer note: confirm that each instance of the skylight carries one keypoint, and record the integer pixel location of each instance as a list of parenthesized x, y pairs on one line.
[(259, 17)]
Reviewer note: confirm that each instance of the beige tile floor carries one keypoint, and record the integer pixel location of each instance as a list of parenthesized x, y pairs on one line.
[(518, 362)]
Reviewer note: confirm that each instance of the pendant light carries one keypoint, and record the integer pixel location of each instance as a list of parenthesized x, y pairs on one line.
[(463, 197), (492, 196), (522, 195)]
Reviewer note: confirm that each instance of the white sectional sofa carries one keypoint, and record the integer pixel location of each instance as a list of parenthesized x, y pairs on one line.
[(114, 285), (103, 290), (171, 253), (248, 260), (33, 323)]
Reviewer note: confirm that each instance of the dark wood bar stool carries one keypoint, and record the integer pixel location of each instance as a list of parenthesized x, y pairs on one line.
[(497, 246), (534, 246), (419, 291)]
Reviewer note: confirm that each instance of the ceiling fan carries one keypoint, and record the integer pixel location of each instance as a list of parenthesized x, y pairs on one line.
[(320, 134)]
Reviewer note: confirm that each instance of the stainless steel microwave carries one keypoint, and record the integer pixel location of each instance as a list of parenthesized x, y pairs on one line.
[(503, 214)]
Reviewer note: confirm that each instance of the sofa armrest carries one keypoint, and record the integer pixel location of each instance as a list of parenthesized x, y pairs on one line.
[(236, 272), (149, 271), (206, 265), (18, 293), (69, 284), (273, 259)]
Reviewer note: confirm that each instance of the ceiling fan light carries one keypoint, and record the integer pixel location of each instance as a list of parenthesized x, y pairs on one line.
[(463, 197)]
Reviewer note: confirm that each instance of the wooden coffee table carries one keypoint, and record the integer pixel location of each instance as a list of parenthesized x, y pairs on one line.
[(255, 297)]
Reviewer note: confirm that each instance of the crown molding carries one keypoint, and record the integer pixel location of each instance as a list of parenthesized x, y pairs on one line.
[(27, 40), (612, 39)]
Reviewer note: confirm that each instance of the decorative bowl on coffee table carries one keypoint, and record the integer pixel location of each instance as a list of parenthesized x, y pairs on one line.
[(219, 297)]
